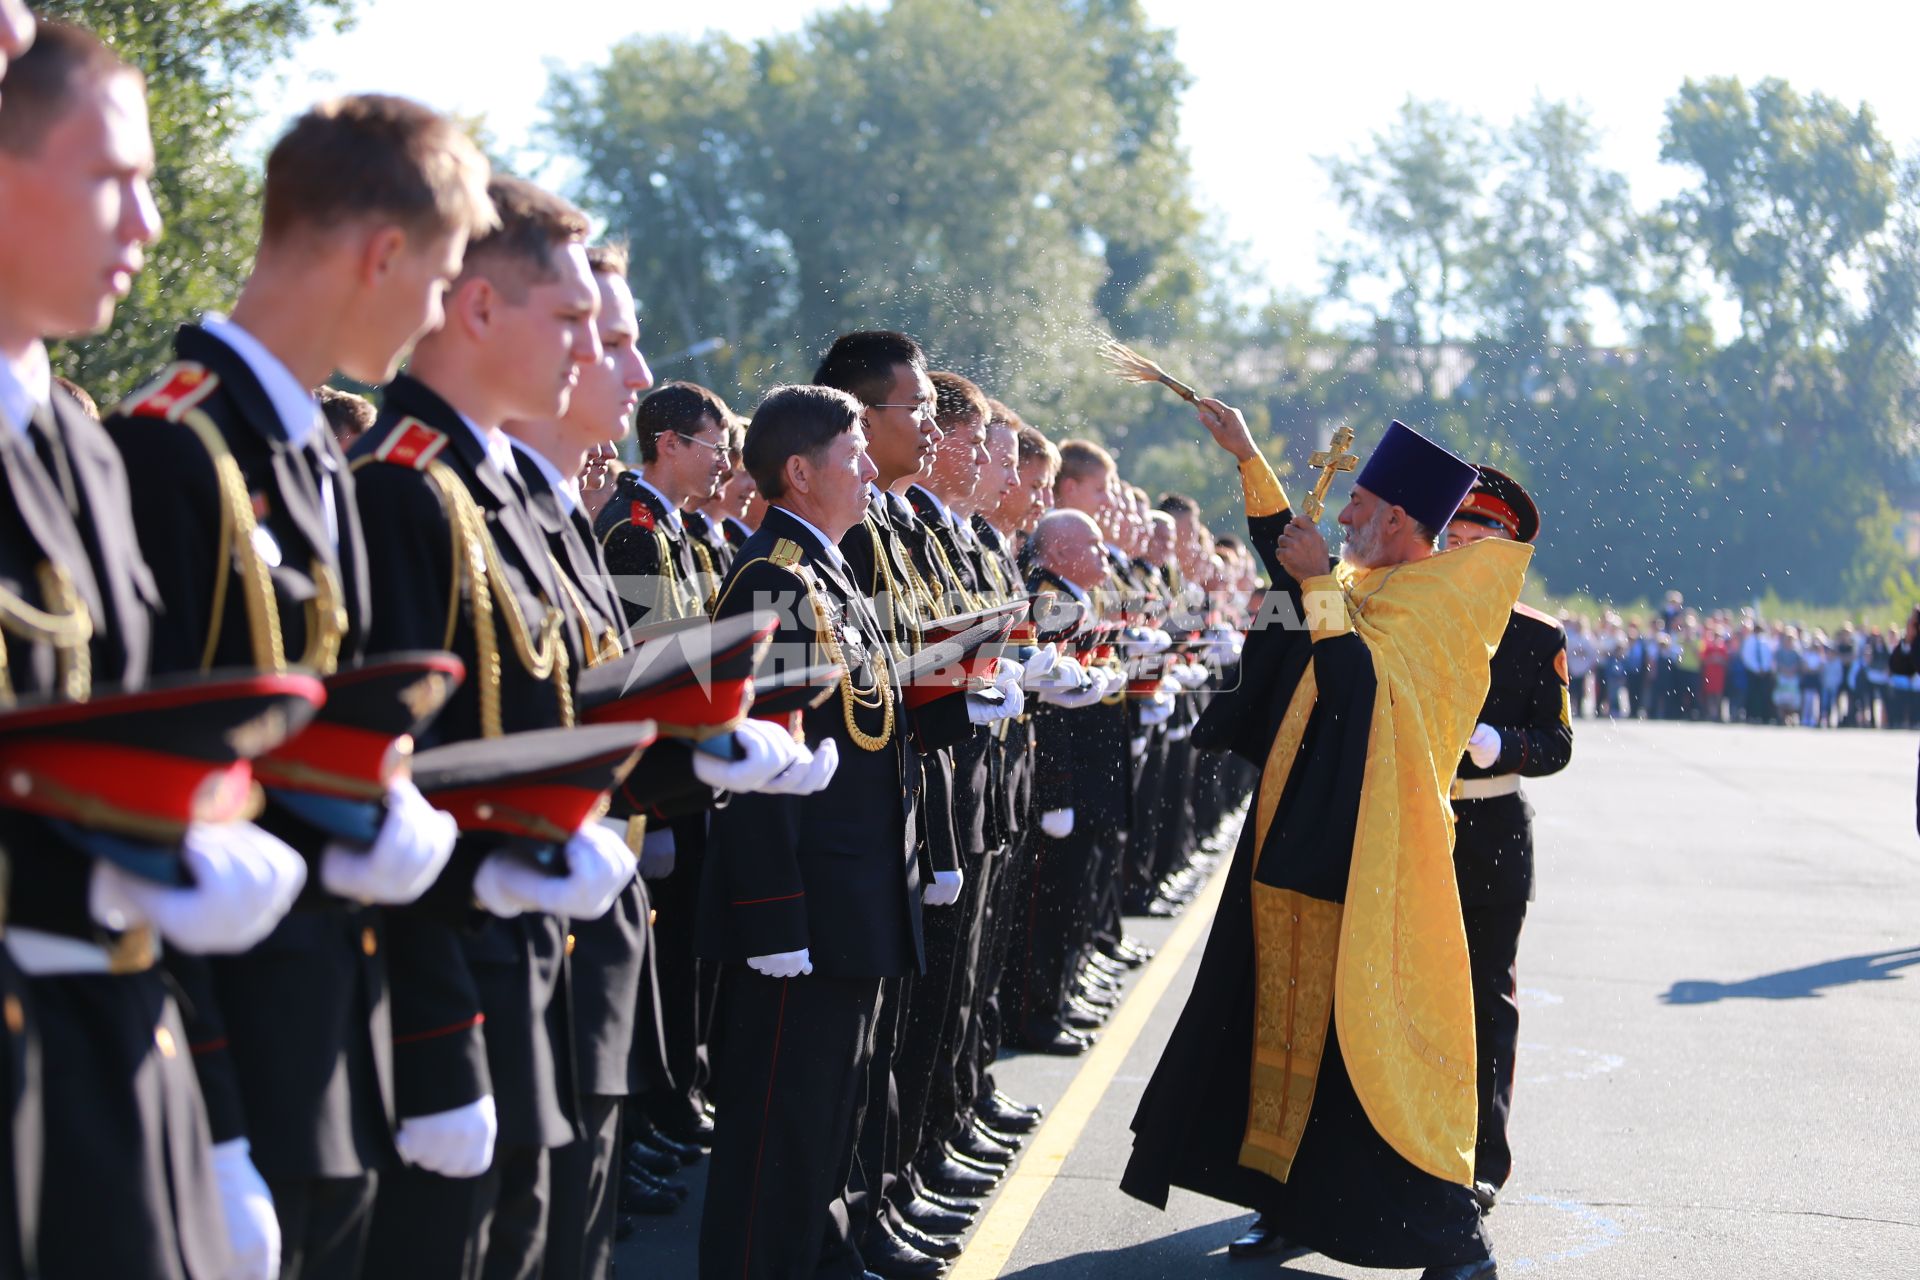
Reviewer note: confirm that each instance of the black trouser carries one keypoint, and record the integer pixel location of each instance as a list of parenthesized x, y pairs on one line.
[(1493, 943), (324, 1223), (686, 992), (493, 1227), (952, 1106), (586, 1184), (789, 1069), (1058, 899), (878, 1161), (922, 1065)]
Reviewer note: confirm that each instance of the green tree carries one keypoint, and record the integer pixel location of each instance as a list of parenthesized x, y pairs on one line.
[(202, 59), (970, 174)]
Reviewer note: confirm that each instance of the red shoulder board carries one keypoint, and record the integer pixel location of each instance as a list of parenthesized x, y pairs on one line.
[(640, 515), (412, 443), (178, 388), (1528, 611)]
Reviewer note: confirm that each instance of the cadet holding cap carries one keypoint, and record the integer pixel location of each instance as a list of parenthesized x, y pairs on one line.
[(248, 515), (125, 1136)]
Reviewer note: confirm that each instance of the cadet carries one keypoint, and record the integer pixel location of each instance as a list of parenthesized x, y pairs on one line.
[(1525, 731), (119, 1135), (482, 1038), (246, 511)]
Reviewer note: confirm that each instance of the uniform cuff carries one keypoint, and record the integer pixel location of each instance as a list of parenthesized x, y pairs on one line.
[(1325, 606), (1264, 496)]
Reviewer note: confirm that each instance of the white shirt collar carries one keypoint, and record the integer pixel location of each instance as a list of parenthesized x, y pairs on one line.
[(673, 512), (299, 413), (569, 493), (25, 387), (938, 505), (826, 544), (497, 443)]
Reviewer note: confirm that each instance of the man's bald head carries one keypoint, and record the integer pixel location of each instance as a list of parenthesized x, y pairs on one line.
[(1068, 543)]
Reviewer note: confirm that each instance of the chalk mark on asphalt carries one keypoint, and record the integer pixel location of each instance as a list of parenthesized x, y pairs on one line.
[(1590, 1063), (1603, 1232)]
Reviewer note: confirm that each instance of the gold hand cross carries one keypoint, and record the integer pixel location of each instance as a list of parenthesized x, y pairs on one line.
[(1336, 457)]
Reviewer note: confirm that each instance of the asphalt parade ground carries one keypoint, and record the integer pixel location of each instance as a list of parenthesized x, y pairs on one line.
[(1720, 1031)]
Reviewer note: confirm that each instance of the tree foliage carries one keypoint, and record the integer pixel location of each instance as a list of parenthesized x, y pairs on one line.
[(203, 60)]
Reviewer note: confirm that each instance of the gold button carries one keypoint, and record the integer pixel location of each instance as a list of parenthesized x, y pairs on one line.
[(569, 944), (164, 1039), (369, 941), (653, 917), (16, 1015)]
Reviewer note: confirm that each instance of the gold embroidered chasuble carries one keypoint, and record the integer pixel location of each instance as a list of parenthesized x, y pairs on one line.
[(1390, 964)]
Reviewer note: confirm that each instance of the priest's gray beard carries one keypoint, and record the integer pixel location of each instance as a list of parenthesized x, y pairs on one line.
[(1362, 546)]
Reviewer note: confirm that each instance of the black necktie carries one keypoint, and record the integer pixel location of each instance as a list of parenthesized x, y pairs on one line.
[(44, 432)]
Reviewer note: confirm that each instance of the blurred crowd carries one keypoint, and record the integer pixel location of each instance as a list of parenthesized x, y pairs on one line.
[(1730, 666)]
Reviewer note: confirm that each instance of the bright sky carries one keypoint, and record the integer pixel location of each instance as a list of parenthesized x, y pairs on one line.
[(1276, 84)]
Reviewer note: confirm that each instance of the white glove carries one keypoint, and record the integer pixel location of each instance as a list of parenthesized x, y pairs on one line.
[(405, 859), (453, 1144), (1144, 642), (1137, 747), (1158, 708), (1179, 733), (1091, 689), (1057, 823), (657, 854), (1484, 746), (810, 772), (945, 889), (1036, 673), (1009, 678), (599, 864), (766, 749), (244, 882), (782, 964), (982, 711), (1061, 674), (1191, 675), (253, 1229)]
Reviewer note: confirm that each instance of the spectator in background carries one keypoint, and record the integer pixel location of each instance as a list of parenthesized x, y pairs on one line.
[(348, 416), (1756, 661), (1582, 658), (1788, 662), (1813, 666), (1716, 649)]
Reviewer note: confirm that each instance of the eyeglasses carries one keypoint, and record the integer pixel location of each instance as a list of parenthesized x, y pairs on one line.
[(720, 449), (921, 408)]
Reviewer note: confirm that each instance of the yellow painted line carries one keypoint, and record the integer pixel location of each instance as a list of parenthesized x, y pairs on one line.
[(1013, 1209)]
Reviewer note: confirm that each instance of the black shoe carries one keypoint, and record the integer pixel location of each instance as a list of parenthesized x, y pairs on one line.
[(1005, 1099), (994, 1133), (1161, 909), (1081, 1018), (686, 1152), (1062, 1044), (648, 1198), (941, 1247), (929, 1219), (678, 1190), (951, 1178), (651, 1159), (965, 1206), (986, 1167), (977, 1147), (1484, 1194), (624, 1225), (1001, 1116), (695, 1132), (892, 1258), (1262, 1238), (1481, 1270)]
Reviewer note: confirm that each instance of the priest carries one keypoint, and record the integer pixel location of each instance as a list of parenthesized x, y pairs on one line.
[(1323, 1071)]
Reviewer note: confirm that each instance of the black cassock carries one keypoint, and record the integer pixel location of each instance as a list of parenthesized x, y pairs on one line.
[(1349, 1195)]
